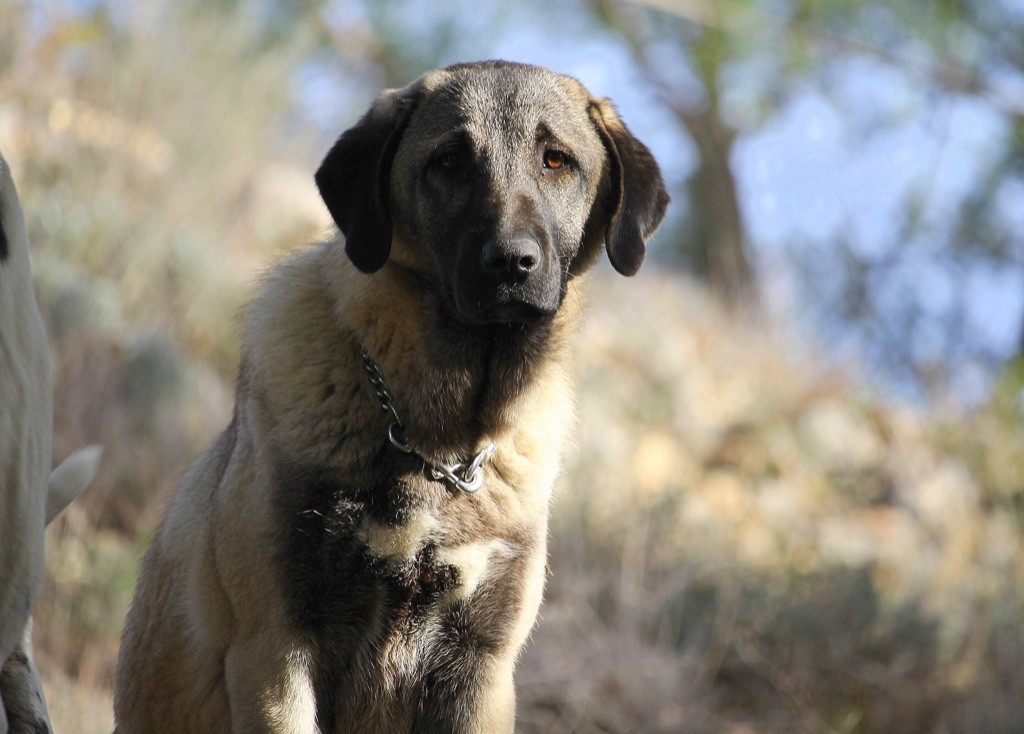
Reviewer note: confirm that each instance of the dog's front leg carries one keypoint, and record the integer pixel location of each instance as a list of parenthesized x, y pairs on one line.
[(475, 695), (270, 686)]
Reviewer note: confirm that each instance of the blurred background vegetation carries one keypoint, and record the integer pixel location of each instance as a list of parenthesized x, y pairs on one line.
[(797, 498)]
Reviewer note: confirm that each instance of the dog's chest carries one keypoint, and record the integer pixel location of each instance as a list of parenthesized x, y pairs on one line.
[(384, 559), (385, 582)]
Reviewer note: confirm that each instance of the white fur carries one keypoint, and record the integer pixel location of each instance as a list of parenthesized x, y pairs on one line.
[(399, 542), (473, 562)]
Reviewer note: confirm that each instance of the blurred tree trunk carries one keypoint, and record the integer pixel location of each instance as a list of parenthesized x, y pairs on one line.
[(717, 242)]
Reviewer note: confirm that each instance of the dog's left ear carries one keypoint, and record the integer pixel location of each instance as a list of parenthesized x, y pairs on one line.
[(355, 178), (636, 199)]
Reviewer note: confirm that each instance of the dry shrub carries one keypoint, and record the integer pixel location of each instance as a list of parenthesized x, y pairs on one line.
[(743, 543)]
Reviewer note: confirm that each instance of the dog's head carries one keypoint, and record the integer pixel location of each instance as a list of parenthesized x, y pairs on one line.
[(498, 181)]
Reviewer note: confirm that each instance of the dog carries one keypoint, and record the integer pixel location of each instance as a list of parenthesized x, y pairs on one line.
[(29, 498), (363, 549)]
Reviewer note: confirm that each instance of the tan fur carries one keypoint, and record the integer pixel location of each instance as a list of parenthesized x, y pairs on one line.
[(214, 650)]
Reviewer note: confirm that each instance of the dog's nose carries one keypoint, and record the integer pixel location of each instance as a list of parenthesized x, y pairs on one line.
[(514, 259)]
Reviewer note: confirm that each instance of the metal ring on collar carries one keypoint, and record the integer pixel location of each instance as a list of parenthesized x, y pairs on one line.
[(395, 434)]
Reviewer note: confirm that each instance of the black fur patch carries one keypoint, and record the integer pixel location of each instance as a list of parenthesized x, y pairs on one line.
[(414, 587), (391, 502), (346, 599), (320, 552), (331, 593)]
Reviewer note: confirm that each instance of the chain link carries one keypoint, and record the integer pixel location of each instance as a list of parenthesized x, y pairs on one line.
[(467, 476)]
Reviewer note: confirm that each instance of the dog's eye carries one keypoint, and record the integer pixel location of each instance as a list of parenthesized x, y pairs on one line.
[(450, 161), (555, 160)]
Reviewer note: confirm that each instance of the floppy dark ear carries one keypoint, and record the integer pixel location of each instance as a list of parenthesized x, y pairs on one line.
[(636, 199), (355, 177)]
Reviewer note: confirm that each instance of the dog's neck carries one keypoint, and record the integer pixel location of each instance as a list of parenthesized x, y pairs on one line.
[(455, 386)]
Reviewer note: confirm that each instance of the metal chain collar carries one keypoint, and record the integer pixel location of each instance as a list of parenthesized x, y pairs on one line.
[(467, 476)]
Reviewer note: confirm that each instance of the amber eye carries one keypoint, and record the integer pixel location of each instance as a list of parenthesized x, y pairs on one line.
[(555, 160)]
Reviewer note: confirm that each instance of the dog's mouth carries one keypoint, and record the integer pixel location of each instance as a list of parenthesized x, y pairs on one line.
[(518, 312), (501, 310)]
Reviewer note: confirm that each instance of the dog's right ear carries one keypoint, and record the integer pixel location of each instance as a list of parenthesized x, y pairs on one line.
[(355, 178)]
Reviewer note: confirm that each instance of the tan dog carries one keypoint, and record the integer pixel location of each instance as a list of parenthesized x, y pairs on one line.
[(315, 575)]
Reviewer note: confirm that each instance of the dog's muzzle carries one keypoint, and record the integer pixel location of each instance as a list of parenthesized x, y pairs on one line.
[(513, 281)]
